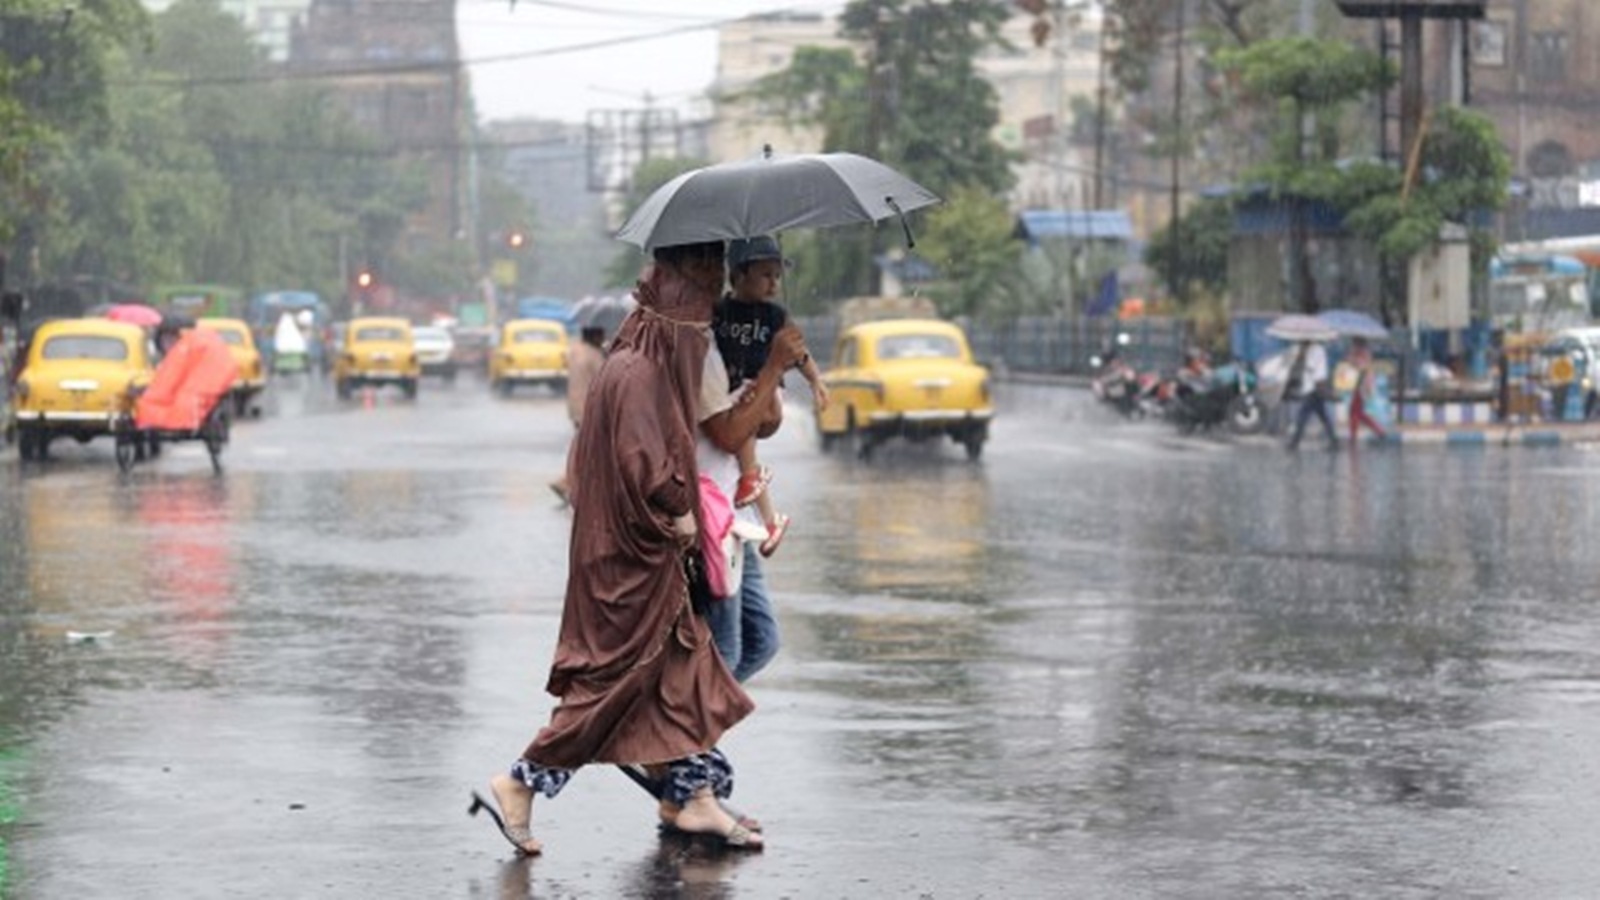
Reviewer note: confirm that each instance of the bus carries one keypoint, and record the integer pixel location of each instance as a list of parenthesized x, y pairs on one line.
[(1533, 292), (217, 301), (264, 310)]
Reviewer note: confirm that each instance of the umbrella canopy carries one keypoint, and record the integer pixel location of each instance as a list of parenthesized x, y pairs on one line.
[(768, 194), (1352, 323), (133, 314), (1296, 327), (604, 311)]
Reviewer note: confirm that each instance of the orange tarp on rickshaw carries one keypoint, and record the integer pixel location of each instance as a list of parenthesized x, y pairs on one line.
[(194, 375)]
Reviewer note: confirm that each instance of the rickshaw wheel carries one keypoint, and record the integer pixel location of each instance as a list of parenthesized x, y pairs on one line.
[(215, 432), (126, 445)]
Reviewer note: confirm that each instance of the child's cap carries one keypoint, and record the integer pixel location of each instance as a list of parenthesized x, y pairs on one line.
[(743, 251)]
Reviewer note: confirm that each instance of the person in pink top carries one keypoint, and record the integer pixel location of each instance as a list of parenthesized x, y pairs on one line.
[(1360, 359)]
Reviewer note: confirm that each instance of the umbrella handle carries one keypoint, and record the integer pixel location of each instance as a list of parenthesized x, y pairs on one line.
[(905, 226)]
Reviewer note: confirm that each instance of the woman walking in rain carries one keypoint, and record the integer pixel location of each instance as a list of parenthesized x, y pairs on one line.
[(637, 675)]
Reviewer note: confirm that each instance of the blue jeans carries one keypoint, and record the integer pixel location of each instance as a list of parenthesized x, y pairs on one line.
[(743, 625)]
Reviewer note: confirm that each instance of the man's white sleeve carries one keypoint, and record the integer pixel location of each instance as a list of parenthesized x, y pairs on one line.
[(714, 394)]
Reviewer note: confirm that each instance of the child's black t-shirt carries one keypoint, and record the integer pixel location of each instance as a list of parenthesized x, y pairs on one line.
[(744, 330)]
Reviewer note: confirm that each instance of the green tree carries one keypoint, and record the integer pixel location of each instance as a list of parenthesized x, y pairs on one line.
[(969, 240), (205, 168), (1462, 171), (1141, 29), (913, 100), (1203, 232), (52, 85), (1305, 87), (647, 177)]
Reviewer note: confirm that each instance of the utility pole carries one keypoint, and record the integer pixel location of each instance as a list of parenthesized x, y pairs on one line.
[(1100, 119), (1178, 290)]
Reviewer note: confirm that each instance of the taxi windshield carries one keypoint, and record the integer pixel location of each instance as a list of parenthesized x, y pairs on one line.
[(229, 336), (84, 346), (918, 346), (380, 333), (535, 336)]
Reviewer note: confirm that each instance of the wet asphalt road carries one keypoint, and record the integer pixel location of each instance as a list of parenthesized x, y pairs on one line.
[(1105, 662)]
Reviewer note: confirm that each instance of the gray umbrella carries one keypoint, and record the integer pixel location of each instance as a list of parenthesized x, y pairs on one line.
[(769, 194), (605, 312)]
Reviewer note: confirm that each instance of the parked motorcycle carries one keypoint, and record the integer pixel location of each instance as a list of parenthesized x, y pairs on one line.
[(1122, 387), (1224, 397)]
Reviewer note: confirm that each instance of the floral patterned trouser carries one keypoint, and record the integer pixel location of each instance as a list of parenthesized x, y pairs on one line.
[(685, 777)]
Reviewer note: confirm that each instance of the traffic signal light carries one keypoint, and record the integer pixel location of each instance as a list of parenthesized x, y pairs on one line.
[(516, 239), (364, 279)]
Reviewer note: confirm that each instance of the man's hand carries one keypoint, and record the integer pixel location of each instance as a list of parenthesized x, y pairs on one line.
[(686, 530), (788, 348)]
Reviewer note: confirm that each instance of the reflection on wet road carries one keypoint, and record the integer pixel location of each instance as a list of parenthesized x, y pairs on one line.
[(1104, 662)]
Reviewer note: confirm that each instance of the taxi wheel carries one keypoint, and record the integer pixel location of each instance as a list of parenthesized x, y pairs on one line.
[(824, 439), (341, 387), (974, 445), (410, 388), (26, 442), (502, 387)]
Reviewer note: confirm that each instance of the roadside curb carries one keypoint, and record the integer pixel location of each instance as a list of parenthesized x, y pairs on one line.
[(1544, 435)]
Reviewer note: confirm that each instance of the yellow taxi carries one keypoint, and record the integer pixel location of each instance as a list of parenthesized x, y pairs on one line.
[(377, 350), (910, 378), (252, 374), (529, 351), (79, 380)]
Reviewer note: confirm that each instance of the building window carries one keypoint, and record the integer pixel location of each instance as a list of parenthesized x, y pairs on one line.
[(1489, 43), (1547, 57)]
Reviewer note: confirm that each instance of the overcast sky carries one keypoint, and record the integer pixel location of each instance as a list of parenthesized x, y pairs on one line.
[(558, 60)]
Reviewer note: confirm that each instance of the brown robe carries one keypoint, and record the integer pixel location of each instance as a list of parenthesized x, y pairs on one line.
[(638, 675)]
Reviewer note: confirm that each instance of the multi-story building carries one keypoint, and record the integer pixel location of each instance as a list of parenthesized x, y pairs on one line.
[(548, 162), (1036, 84), (1534, 71), (271, 22), (748, 50), (395, 67)]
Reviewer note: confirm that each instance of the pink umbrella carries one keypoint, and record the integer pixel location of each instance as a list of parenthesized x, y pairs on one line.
[(134, 314)]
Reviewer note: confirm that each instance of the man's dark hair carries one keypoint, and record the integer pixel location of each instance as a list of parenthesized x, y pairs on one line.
[(678, 254)]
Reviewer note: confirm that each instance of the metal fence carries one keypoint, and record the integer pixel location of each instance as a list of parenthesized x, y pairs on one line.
[(1046, 344)]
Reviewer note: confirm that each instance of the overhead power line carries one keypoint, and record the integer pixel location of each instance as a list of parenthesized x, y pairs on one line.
[(417, 68)]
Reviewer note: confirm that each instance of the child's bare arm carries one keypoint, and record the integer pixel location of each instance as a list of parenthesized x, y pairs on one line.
[(813, 376)]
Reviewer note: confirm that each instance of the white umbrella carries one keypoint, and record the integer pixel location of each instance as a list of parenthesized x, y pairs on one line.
[(1353, 323), (1296, 327), (768, 194)]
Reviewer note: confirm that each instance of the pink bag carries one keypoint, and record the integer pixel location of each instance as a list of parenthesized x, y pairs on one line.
[(719, 547)]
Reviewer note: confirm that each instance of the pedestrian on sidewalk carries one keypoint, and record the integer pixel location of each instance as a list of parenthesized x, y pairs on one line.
[(636, 672), (1308, 382), (1360, 359), (583, 364)]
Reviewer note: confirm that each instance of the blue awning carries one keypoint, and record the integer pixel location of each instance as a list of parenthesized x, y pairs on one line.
[(1091, 224)]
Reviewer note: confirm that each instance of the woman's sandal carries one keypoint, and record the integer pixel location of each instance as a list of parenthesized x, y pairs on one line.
[(739, 836), (749, 822), (518, 835)]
